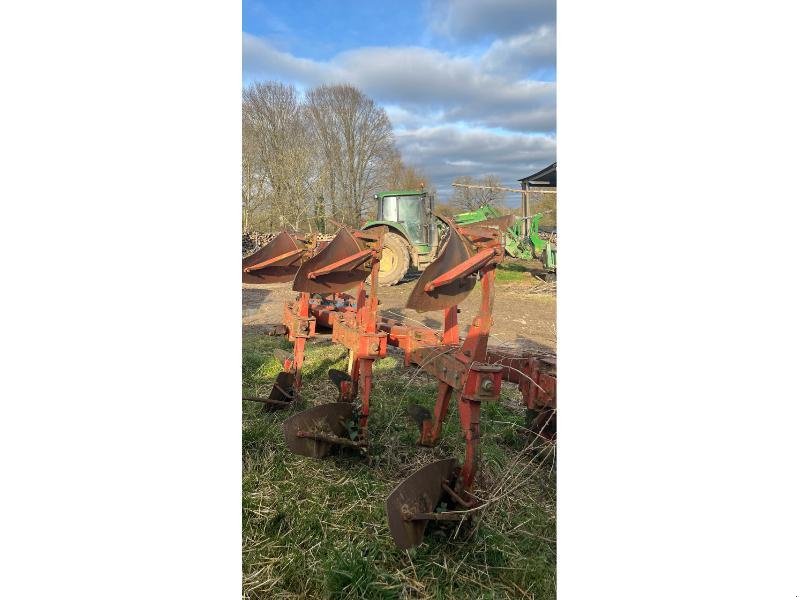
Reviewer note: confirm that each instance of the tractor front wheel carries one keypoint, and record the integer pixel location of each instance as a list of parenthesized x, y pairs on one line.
[(394, 260)]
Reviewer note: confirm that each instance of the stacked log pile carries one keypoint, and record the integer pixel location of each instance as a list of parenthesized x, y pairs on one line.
[(254, 240)]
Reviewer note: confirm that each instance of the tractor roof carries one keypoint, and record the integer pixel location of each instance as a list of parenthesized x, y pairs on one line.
[(402, 193)]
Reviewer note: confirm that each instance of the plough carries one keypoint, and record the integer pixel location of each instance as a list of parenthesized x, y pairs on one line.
[(343, 265), (278, 262), (460, 367), (468, 372)]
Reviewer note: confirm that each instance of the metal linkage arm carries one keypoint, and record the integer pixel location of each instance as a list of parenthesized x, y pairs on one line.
[(351, 261), (535, 376), (273, 260), (472, 265)]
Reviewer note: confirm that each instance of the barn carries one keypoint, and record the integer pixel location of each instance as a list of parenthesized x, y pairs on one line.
[(546, 178), (540, 201)]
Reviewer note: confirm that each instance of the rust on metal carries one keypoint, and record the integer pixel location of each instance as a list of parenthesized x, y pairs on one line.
[(441, 516), (347, 263), (360, 343), (455, 252), (483, 383), (534, 375), (441, 363), (343, 264), (278, 403), (418, 494), (331, 439), (458, 499), (277, 262), (542, 422), (461, 270), (273, 261), (283, 392), (340, 251), (330, 421), (468, 373)]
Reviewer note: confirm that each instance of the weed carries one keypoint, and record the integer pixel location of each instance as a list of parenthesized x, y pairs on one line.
[(318, 529)]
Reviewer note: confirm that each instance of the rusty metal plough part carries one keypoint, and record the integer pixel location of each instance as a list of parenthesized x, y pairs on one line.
[(279, 261), (466, 368), (345, 263), (462, 371), (441, 491), (536, 378)]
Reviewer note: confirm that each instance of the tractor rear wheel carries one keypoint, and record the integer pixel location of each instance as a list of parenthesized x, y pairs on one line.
[(394, 260)]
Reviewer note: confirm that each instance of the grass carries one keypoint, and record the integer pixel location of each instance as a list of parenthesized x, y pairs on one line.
[(318, 528), (508, 272)]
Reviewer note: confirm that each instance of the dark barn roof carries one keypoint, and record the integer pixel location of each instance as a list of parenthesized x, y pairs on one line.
[(547, 174)]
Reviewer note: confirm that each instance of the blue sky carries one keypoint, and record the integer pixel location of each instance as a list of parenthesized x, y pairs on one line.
[(468, 84)]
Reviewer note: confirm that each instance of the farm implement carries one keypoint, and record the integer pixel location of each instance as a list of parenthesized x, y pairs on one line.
[(467, 370), (279, 262), (320, 268), (415, 230), (342, 265)]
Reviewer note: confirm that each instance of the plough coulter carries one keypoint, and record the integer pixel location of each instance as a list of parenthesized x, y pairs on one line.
[(468, 372)]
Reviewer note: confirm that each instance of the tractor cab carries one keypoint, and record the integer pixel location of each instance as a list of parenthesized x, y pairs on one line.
[(409, 211), (413, 232)]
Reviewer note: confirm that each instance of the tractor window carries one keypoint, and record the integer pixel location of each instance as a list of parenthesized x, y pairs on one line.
[(389, 208), (410, 214)]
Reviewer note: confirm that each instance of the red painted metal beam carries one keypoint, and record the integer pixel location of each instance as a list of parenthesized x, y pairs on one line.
[(354, 260), (273, 260), (472, 265)]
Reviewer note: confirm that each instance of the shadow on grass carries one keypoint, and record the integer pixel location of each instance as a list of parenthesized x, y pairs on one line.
[(318, 528)]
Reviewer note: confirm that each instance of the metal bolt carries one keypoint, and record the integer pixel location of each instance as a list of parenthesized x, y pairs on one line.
[(375, 347), (487, 385)]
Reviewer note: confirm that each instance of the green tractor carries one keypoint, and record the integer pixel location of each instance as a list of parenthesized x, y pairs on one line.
[(415, 233)]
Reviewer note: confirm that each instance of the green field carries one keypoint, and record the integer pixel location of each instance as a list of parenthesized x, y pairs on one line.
[(318, 528)]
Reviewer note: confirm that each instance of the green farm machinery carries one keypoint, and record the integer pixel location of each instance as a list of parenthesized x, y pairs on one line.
[(517, 245), (415, 233)]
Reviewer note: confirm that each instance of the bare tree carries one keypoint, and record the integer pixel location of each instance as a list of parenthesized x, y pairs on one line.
[(355, 141), (399, 176), (254, 185), (279, 169), (472, 198), (303, 162)]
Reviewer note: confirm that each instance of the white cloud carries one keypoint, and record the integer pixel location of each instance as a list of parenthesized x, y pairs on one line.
[(446, 152), (419, 81), (403, 118), (522, 54), (474, 20), (260, 57), (453, 114)]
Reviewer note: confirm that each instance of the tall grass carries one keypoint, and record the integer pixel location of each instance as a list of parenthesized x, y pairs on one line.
[(318, 528)]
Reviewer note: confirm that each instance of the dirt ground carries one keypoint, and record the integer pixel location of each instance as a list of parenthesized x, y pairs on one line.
[(524, 310)]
